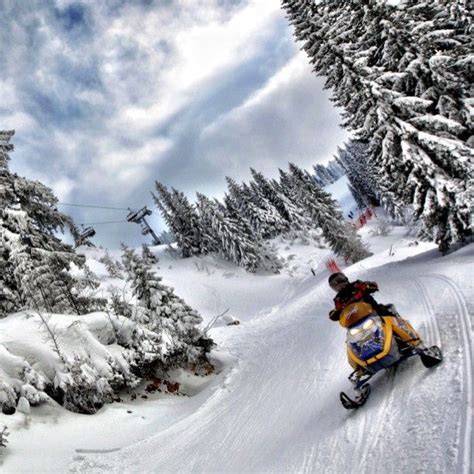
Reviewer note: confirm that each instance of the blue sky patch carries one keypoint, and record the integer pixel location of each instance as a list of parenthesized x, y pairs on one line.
[(72, 17)]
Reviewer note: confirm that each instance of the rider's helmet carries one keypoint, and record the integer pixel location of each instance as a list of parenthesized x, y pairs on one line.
[(337, 281)]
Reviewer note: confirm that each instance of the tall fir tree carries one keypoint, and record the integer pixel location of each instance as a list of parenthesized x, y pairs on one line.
[(401, 75), (34, 262), (232, 241), (164, 313), (233, 238), (324, 175), (275, 224), (275, 195), (182, 219), (260, 214), (353, 158), (339, 234)]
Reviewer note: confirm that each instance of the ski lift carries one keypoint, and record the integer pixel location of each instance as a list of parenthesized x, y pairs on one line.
[(87, 233), (84, 236), (137, 216)]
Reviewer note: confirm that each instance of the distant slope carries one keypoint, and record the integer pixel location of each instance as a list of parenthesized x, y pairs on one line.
[(343, 196)]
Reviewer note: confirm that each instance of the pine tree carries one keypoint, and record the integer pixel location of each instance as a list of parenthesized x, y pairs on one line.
[(232, 241), (285, 207), (232, 237), (339, 234), (165, 313), (353, 158), (182, 219), (259, 213), (326, 175), (34, 262), (148, 255), (410, 102), (113, 267), (275, 224)]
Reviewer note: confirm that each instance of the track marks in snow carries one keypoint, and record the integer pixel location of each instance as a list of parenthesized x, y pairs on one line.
[(96, 451), (465, 453), (378, 421), (432, 336)]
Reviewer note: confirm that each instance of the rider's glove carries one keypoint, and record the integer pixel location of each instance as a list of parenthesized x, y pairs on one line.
[(369, 286)]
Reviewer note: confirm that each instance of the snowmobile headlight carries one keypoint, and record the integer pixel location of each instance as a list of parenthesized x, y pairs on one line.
[(355, 331), (368, 324)]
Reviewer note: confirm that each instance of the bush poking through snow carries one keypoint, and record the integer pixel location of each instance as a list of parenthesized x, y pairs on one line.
[(83, 362), (163, 312), (113, 267), (3, 437), (382, 228), (85, 390)]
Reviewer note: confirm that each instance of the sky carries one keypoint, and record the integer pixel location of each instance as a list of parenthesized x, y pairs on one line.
[(107, 97)]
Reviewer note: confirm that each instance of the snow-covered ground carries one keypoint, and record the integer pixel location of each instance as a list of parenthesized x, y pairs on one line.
[(273, 405)]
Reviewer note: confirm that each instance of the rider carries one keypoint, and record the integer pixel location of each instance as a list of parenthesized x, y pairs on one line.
[(358, 290)]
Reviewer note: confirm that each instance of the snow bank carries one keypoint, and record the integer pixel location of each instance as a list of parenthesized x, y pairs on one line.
[(79, 361)]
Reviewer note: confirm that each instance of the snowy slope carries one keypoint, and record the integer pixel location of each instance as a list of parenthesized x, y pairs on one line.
[(273, 405), (276, 408)]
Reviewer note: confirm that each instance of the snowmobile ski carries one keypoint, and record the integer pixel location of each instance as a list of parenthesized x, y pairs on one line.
[(431, 356), (352, 404)]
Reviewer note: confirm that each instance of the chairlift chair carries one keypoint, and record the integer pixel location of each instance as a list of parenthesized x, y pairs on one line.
[(85, 235), (137, 216)]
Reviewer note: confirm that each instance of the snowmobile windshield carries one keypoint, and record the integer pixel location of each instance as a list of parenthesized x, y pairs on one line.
[(366, 338)]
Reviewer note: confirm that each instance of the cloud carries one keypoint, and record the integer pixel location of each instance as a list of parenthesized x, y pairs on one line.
[(61, 187), (106, 97), (186, 56), (288, 119)]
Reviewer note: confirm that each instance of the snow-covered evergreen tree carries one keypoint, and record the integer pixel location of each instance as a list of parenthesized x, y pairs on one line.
[(229, 234), (275, 195), (181, 218), (339, 234), (353, 158), (261, 215), (165, 313), (113, 267), (410, 103), (275, 223), (148, 256), (34, 262), (325, 175), (232, 241)]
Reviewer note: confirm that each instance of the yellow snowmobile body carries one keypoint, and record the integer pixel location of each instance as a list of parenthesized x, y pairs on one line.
[(374, 341)]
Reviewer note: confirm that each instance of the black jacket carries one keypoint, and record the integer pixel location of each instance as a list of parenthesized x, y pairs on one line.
[(356, 291)]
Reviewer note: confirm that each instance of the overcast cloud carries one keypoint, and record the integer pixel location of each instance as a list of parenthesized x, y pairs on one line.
[(108, 96)]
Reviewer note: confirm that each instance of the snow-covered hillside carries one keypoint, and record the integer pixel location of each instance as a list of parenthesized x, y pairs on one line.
[(272, 405)]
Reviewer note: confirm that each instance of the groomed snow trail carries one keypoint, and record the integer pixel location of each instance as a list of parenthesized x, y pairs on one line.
[(463, 322), (277, 408)]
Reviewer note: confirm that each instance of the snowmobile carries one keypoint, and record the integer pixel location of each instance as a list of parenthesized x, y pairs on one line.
[(376, 342)]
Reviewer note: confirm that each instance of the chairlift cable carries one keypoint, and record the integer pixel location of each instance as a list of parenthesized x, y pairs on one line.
[(96, 207), (97, 223)]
